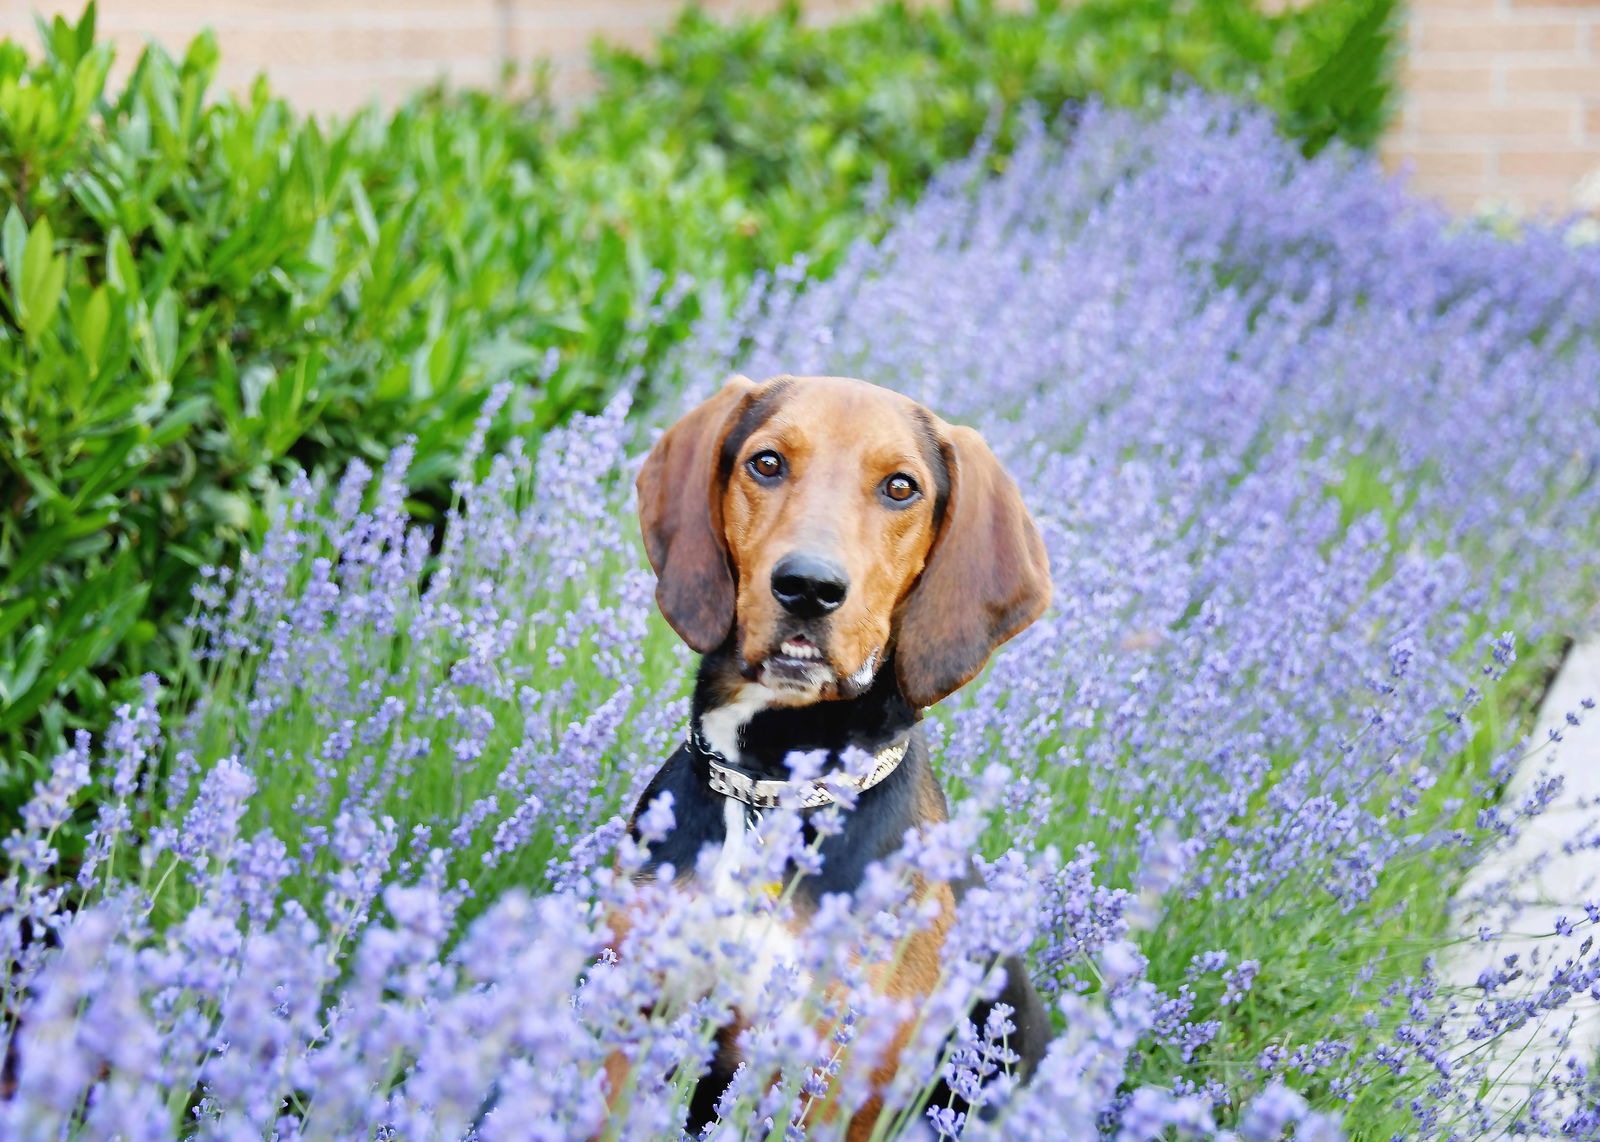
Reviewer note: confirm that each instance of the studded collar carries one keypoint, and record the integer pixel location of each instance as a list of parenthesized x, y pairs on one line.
[(730, 780)]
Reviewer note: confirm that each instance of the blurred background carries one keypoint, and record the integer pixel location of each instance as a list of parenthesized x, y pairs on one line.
[(1499, 102), (242, 239)]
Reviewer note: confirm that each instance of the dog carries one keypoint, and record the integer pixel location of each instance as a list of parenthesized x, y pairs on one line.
[(842, 559)]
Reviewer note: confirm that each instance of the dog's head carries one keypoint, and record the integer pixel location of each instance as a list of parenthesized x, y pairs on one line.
[(830, 525)]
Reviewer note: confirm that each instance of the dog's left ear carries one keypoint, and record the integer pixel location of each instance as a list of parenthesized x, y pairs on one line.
[(987, 577), (680, 499)]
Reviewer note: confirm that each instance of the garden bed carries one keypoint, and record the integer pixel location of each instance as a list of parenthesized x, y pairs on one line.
[(200, 294), (1317, 473)]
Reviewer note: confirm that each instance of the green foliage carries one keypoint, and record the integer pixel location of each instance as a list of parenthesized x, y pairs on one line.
[(1341, 84), (817, 121), (199, 295)]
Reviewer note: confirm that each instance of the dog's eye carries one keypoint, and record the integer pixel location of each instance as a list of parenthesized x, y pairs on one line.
[(900, 488), (765, 465)]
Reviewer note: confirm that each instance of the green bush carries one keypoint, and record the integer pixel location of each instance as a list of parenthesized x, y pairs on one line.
[(809, 118), (199, 294)]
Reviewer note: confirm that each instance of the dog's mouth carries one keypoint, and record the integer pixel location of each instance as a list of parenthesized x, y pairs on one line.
[(799, 664)]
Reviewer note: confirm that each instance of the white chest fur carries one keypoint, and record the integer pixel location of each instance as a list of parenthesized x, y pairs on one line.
[(721, 727), (744, 920), (744, 934)]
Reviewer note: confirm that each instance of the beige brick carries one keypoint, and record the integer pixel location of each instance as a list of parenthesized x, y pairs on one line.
[(1533, 194), (572, 80), (1495, 148), (130, 45), (1568, 5), (1480, 37), (389, 82), (1423, 79), (732, 9), (261, 47), (1445, 164), (823, 12), (539, 39), (1571, 165), (1479, 122), (1428, 111), (1591, 122), (1426, 181), (358, 41), (597, 14), (1460, 199), (1583, 79), (214, 11), (445, 42), (335, 93)]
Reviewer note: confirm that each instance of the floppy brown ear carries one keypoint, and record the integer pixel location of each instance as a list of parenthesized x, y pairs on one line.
[(680, 512), (987, 577)]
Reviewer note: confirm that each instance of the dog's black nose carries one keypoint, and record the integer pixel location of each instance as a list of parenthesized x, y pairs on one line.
[(808, 586)]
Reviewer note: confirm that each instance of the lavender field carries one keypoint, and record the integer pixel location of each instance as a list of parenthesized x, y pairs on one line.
[(1317, 472)]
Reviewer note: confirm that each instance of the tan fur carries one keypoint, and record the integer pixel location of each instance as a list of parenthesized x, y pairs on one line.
[(841, 440), (912, 976), (931, 805)]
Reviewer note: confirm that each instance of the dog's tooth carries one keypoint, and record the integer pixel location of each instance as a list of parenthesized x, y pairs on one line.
[(800, 650)]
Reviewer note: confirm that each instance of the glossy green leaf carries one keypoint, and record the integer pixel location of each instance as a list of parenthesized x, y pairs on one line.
[(92, 331), (19, 675), (44, 273)]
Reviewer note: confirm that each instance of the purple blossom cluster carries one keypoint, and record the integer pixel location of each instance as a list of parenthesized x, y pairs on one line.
[(1303, 452)]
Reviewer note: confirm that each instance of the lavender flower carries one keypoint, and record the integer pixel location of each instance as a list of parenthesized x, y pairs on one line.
[(1313, 522)]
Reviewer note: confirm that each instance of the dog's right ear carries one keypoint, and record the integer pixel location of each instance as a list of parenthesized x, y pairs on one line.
[(680, 512)]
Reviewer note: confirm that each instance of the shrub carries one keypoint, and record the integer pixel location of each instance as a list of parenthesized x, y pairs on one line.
[(1224, 786), (200, 295), (807, 119)]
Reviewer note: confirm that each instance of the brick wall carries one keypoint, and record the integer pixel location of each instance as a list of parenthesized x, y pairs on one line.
[(334, 55), (1502, 103)]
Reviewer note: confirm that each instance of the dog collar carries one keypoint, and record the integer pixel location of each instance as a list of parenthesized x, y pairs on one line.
[(767, 793)]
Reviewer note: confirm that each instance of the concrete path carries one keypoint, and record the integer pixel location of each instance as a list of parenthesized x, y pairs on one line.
[(1546, 882)]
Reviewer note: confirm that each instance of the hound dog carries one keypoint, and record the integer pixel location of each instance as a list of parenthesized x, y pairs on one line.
[(843, 559)]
